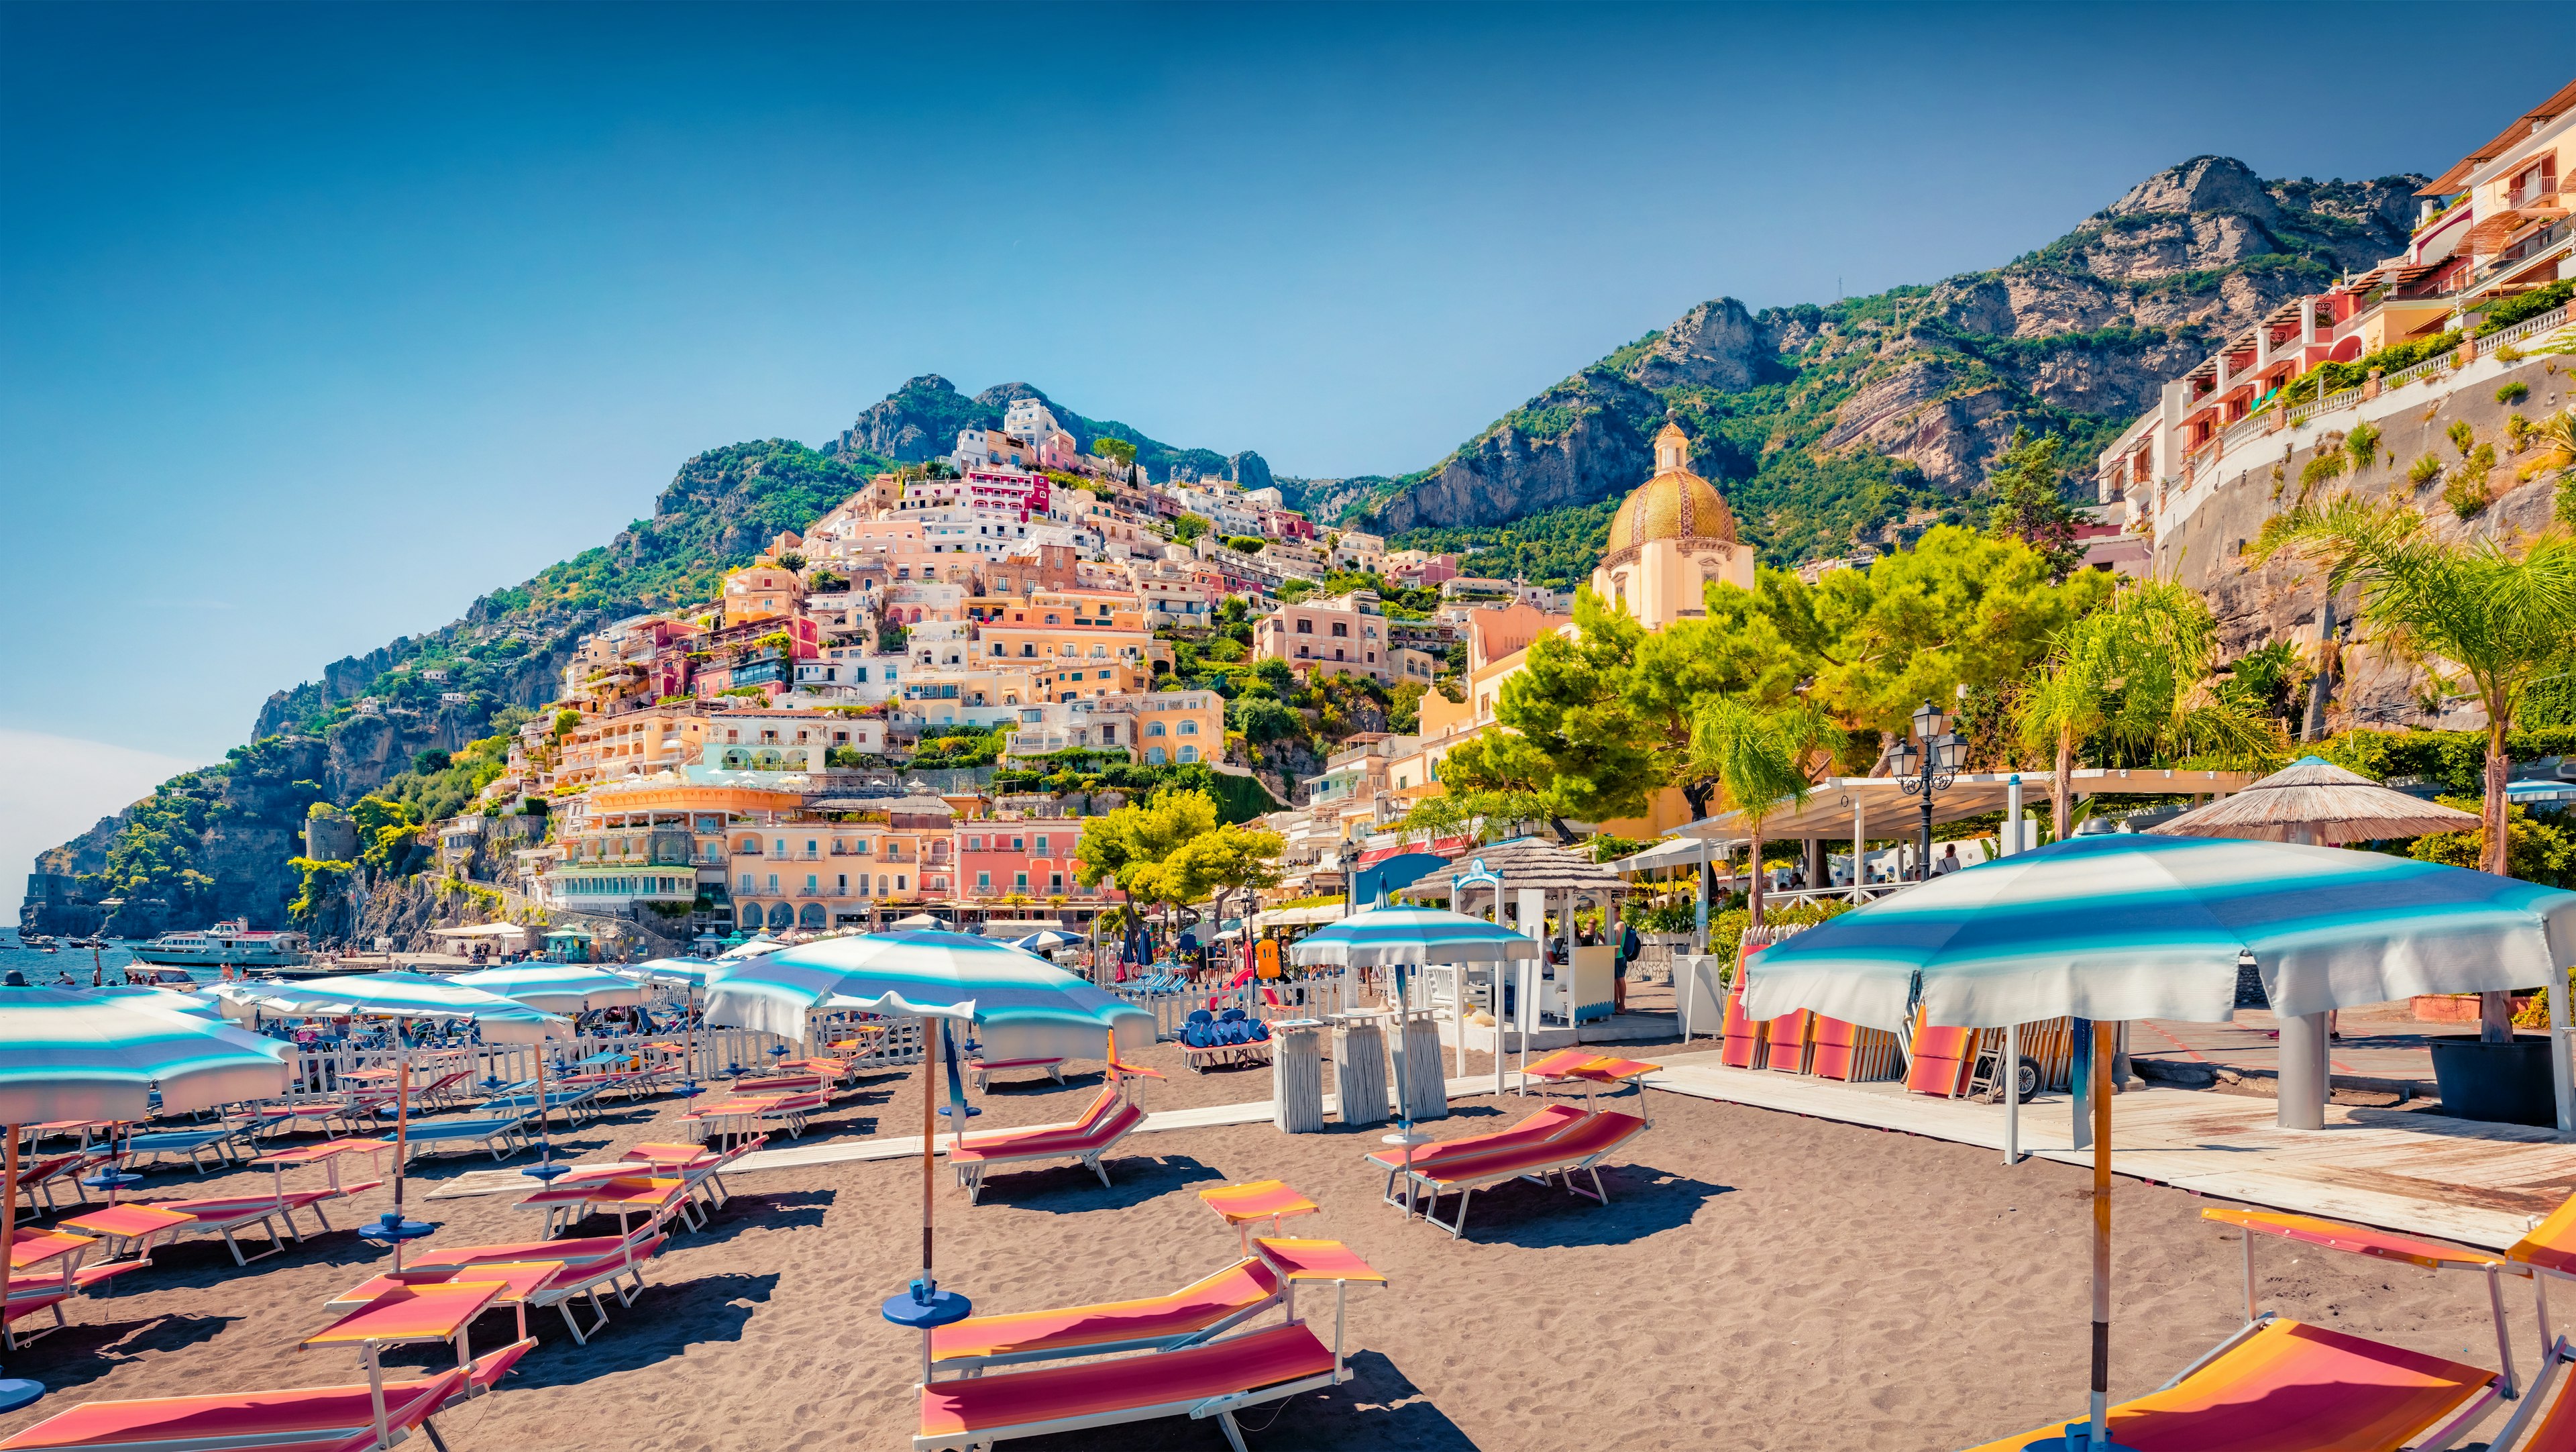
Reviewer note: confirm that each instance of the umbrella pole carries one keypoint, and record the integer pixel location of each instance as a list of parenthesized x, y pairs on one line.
[(9, 1206), (2100, 1403), (545, 1150), (402, 1129), (929, 1120)]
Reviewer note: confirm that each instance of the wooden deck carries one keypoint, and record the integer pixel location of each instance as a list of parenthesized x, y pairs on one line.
[(2477, 1184)]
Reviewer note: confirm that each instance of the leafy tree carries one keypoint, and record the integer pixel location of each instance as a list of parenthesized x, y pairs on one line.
[(1190, 526), (1761, 760), (1229, 860), (1263, 719), (1570, 701), (429, 759), (2491, 617), (791, 561), (1245, 544), (2029, 504), (2535, 850), (1116, 451), (1275, 673), (1132, 847)]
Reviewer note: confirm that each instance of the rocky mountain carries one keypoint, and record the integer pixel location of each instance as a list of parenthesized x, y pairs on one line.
[(920, 421), (1834, 424)]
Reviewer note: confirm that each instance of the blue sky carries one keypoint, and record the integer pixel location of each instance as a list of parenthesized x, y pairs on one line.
[(315, 323)]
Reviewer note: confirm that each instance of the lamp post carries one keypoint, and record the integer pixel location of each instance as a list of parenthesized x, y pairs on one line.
[(1925, 764)]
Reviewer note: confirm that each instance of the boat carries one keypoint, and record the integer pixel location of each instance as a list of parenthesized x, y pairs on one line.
[(229, 944)]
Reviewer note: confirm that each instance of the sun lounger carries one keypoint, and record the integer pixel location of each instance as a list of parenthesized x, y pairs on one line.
[(227, 1215), (308, 1419), (980, 1071), (1534, 1129), (1849, 1052), (1579, 1150), (40, 1177), (1215, 1379), (1784, 1048), (1196, 1312), (1594, 1071), (1741, 1038), (1229, 1038), (703, 1168), (1110, 1118), (503, 1135), (1242, 1206), (657, 1197), (1939, 1061), (223, 1144), (573, 1105), (575, 1276), (2294, 1387)]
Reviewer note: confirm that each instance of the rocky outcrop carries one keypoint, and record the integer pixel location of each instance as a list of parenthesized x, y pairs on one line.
[(1249, 470), (2075, 338), (920, 421)]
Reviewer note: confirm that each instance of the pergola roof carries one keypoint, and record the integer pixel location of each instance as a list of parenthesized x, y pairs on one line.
[(1885, 811), (1521, 862)]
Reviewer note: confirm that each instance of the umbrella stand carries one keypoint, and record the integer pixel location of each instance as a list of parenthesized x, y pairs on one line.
[(922, 1305), (393, 1228)]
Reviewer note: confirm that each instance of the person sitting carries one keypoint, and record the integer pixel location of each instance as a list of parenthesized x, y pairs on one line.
[(1947, 862)]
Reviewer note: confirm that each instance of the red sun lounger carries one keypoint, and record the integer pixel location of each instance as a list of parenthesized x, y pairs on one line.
[(1577, 1151), (1215, 1379), (1194, 1313), (1089, 1139), (656, 1197), (1533, 1129), (308, 1419), (572, 1278)]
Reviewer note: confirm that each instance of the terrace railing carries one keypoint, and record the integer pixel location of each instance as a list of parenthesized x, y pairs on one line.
[(2555, 317)]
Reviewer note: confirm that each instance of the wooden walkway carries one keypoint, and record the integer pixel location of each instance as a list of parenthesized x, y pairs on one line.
[(2477, 1184)]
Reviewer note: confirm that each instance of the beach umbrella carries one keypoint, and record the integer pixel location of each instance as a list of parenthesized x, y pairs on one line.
[(402, 997), (2121, 926), (81, 1054), (199, 1003), (554, 988), (688, 976), (2312, 800), (1042, 940), (1026, 1007), (1403, 938)]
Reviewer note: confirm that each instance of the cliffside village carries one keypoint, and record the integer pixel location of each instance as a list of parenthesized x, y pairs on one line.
[(749, 763)]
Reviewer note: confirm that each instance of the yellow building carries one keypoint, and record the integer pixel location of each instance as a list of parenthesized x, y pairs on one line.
[(1672, 538)]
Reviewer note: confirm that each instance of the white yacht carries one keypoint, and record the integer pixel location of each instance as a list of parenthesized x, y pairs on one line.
[(232, 944)]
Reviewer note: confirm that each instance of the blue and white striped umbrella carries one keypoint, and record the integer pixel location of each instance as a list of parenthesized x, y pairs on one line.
[(1411, 937), (675, 972), (556, 987), (73, 1054), (2120, 926), (1026, 1007), (395, 995), (197, 1003)]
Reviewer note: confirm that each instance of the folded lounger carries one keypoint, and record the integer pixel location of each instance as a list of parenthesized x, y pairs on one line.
[(1579, 1150), (1194, 1313), (2287, 1386), (321, 1418), (1214, 1379), (1110, 1118), (577, 1276), (1533, 1129), (1740, 1037), (1939, 1060)]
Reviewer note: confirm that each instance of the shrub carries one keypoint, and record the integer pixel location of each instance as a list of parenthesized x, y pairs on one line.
[(2530, 305), (2461, 436), (2466, 493), (2321, 469), (2424, 471), (2363, 444), (2514, 392)]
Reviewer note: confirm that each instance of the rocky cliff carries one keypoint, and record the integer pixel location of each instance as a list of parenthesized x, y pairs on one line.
[(920, 421), (1832, 424)]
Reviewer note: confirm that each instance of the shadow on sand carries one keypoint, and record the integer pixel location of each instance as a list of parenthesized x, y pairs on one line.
[(1069, 1189), (666, 1320), (1379, 1409), (79, 1354)]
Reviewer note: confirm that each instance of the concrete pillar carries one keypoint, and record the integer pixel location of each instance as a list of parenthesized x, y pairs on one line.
[(2011, 841), (1860, 843), (2305, 1073), (1818, 875)]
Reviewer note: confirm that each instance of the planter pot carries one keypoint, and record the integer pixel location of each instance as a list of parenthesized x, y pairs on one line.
[(2453, 1007), (2500, 1083)]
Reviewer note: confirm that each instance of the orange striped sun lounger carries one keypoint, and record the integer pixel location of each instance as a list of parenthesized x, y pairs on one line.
[(1740, 1038), (1110, 1118), (226, 1215), (40, 1177), (1546, 1124), (2547, 1253), (1196, 1312), (657, 1197), (1243, 1206), (1785, 1048), (1851, 1053), (540, 1278), (2286, 1386), (1579, 1150), (1594, 1071), (1214, 1379), (321, 1419), (1940, 1060)]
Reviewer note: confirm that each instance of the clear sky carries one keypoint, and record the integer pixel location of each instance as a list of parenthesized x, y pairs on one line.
[(316, 322)]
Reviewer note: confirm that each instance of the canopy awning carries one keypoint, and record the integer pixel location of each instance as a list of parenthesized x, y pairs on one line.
[(1883, 809)]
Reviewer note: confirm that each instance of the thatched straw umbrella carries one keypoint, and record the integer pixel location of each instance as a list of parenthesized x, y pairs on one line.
[(2316, 802)]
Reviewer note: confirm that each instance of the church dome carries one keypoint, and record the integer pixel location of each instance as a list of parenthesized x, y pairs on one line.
[(1674, 504)]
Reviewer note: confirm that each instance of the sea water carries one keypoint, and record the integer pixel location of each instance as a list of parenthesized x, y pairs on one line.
[(49, 969)]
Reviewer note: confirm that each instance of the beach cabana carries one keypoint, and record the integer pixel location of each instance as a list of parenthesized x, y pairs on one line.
[(2120, 926), (66, 1054), (2314, 801), (1537, 877)]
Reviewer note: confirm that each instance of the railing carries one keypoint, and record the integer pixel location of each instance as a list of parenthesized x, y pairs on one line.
[(2301, 413), (2426, 369), (2555, 317), (710, 1053)]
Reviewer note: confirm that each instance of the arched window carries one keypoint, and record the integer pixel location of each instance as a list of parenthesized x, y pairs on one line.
[(1153, 756), (811, 917), (1189, 753), (781, 915), (736, 761), (1153, 728), (1189, 728)]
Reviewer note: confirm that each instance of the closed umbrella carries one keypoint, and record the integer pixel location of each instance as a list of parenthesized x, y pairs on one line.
[(2122, 926), (401, 997), (70, 1054)]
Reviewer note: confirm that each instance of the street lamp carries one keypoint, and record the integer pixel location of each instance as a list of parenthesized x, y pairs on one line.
[(1925, 768)]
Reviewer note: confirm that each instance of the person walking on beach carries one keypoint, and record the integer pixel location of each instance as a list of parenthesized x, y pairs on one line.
[(1629, 947)]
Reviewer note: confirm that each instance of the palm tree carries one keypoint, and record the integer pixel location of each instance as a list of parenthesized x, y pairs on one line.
[(2067, 704), (1760, 760), (2553, 447), (2474, 612)]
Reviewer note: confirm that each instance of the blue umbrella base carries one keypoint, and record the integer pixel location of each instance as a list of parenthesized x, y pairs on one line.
[(17, 1391), (913, 1309), (387, 1227)]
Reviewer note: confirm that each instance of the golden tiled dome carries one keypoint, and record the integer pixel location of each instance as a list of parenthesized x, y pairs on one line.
[(1675, 504)]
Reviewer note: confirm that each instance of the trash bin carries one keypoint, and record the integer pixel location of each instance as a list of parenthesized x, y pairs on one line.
[(1296, 1075)]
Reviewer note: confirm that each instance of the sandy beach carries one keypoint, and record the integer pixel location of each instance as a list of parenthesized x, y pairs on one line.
[(1759, 1281)]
